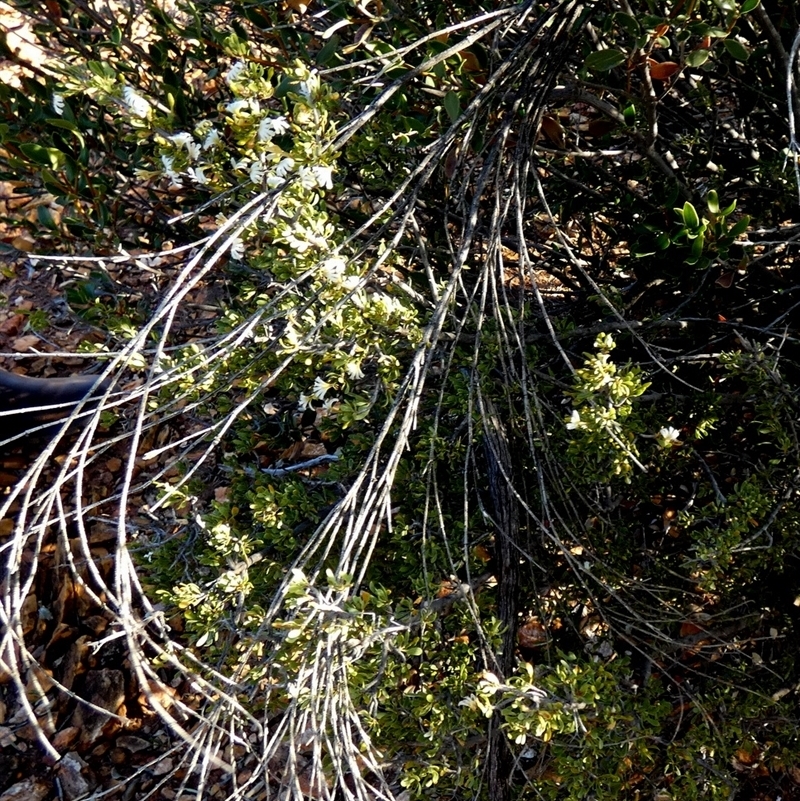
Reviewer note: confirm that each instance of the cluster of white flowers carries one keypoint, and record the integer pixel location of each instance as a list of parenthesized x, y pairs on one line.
[(57, 101)]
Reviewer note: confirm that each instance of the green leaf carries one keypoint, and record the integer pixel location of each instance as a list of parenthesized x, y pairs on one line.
[(698, 57), (690, 217), (712, 200), (736, 49), (46, 156), (748, 6), (46, 218), (740, 227), (452, 105), (605, 60), (728, 209), (68, 126), (627, 22)]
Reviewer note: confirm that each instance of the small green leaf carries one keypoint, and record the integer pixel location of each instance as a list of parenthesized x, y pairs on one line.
[(740, 227), (698, 57), (605, 60), (452, 105), (728, 209), (712, 200), (736, 49), (748, 6), (690, 217)]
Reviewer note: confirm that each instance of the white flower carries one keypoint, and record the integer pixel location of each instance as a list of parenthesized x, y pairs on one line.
[(324, 176), (257, 172), (196, 174), (669, 435), (181, 139), (271, 126), (333, 269), (212, 138), (57, 101), (138, 106), (235, 71), (310, 87), (168, 163), (237, 248), (193, 149), (300, 245), (274, 181), (284, 167), (241, 164), (280, 125), (305, 402), (237, 105), (329, 403), (307, 178), (321, 386), (353, 369), (574, 421)]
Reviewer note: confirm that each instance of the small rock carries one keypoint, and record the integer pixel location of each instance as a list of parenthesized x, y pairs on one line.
[(65, 738), (132, 744), (28, 790), (73, 783), (162, 767)]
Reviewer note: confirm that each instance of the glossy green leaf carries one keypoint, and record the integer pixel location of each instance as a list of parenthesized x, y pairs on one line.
[(605, 60), (698, 57), (452, 105), (736, 49), (690, 217)]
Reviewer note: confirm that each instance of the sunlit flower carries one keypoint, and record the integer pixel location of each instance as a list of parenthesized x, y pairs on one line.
[(305, 401), (324, 176), (137, 105), (241, 164), (257, 172), (237, 248), (353, 369), (196, 174), (235, 71), (284, 167), (57, 101), (307, 178), (271, 126), (574, 421), (669, 435), (212, 138), (310, 87), (333, 269), (237, 105), (321, 386), (169, 170), (181, 139), (274, 181), (193, 149)]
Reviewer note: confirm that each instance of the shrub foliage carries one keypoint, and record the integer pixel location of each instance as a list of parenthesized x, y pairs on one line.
[(486, 461)]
